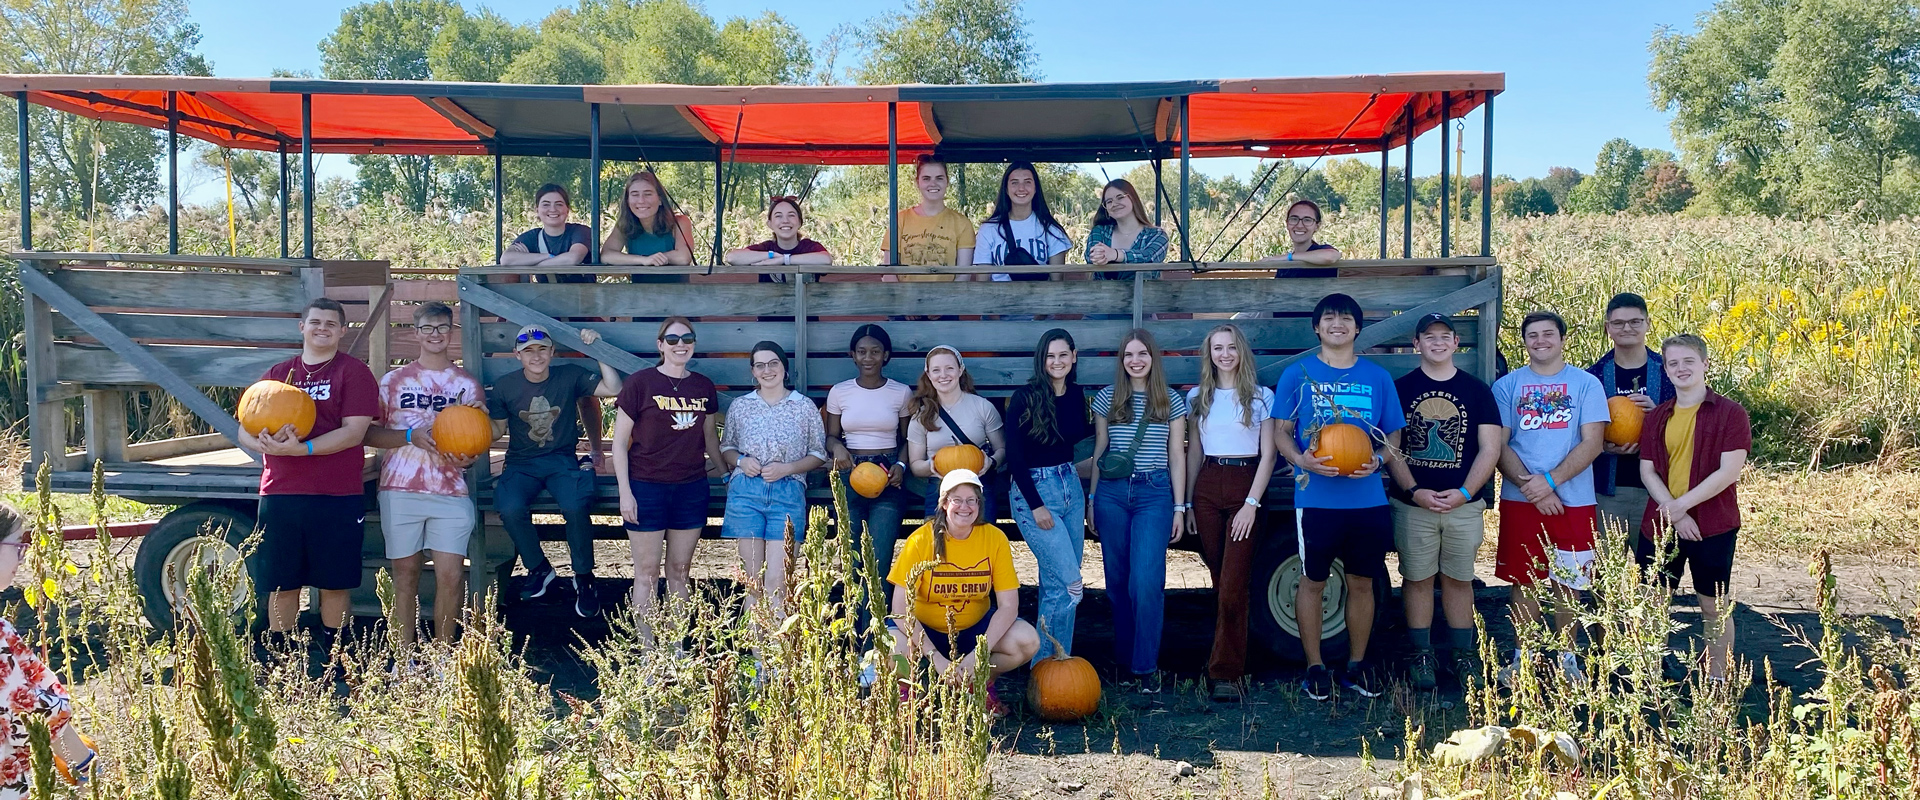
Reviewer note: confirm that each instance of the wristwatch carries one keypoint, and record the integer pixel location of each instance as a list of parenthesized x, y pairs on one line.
[(1253, 501)]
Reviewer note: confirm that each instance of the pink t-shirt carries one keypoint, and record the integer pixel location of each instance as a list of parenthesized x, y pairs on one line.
[(410, 398), (342, 387)]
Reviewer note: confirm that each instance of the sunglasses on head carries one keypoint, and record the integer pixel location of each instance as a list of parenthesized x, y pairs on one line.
[(530, 336), (677, 338)]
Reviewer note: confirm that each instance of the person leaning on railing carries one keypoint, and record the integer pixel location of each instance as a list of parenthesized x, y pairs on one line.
[(931, 234), (1021, 229), (1122, 234), (1303, 221), (786, 248), (556, 243), (649, 234)]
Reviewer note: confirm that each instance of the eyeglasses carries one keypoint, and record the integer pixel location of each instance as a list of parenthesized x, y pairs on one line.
[(763, 366), (438, 330), (964, 502), (1302, 221), (1627, 324), (20, 548), (530, 336), (677, 338)]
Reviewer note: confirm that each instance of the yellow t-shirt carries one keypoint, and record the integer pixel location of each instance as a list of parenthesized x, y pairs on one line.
[(1680, 449), (975, 568), (933, 241)]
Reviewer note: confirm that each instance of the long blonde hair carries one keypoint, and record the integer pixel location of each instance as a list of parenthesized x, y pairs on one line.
[(925, 403), (1159, 408), (1246, 378)]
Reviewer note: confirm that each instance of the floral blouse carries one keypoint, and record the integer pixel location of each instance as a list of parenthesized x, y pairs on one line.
[(780, 433), (29, 688)]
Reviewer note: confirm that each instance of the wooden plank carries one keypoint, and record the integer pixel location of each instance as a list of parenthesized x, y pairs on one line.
[(481, 297), (195, 365), (356, 273), (313, 285), (106, 425), (153, 289), (377, 318), (227, 262), (46, 414), (1400, 327), (180, 328), (1296, 295), (1489, 328), (179, 446)]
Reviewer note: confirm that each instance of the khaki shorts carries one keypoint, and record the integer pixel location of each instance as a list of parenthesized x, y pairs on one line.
[(414, 521), (1445, 543), (1622, 511)]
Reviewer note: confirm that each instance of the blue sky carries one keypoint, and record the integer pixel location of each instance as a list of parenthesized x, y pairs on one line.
[(1576, 72)]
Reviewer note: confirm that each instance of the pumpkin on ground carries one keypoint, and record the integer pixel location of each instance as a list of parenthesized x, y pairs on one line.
[(1627, 419), (270, 405), (959, 456), (1063, 688), (462, 431), (868, 480), (1346, 444)]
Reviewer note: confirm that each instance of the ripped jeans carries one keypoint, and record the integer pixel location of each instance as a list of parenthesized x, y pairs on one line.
[(1057, 551)]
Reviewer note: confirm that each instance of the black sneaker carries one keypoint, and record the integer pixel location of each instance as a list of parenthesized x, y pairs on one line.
[(587, 603), (1363, 680), (1152, 682), (1420, 671), (537, 582), (1467, 669), (1318, 684)]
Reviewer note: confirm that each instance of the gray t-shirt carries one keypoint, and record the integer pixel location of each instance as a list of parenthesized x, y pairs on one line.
[(542, 418), (1543, 415)]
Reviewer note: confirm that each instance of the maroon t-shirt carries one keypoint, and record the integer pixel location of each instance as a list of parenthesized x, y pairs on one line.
[(340, 388), (669, 425), (1719, 426)]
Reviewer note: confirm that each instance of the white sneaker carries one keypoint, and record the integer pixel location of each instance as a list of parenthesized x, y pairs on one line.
[(1570, 669), (1510, 674)]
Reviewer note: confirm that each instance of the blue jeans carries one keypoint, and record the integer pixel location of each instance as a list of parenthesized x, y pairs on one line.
[(1134, 517), (757, 509), (572, 489), (880, 517), (1057, 551)]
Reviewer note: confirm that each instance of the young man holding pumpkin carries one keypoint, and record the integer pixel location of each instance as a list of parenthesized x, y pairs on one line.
[(1693, 448), (423, 491), (1554, 417), (1631, 370), (1338, 515), (312, 506), (537, 409)]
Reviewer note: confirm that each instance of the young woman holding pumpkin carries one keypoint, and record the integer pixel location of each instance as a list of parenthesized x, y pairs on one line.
[(866, 423), (1049, 418), (1140, 439), (938, 577), (945, 412), (32, 689), (423, 489), (1229, 462), (664, 436), (649, 233), (773, 439)]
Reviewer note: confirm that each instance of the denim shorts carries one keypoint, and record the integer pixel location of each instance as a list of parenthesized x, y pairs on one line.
[(757, 509), (669, 506)]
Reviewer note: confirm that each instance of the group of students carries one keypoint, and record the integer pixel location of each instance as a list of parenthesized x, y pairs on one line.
[(1020, 230)]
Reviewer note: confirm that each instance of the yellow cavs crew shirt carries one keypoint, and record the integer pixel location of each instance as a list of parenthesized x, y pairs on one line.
[(975, 568)]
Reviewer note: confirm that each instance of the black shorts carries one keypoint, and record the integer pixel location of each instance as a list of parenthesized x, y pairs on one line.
[(311, 540), (1359, 537), (961, 643), (1710, 560)]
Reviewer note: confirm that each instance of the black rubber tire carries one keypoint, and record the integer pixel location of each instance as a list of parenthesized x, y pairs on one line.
[(1276, 569), (168, 540)]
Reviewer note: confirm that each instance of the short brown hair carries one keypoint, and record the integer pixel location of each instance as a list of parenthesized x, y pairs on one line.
[(432, 310), (325, 304), (12, 521), (1688, 340), (1543, 316), (1317, 216)]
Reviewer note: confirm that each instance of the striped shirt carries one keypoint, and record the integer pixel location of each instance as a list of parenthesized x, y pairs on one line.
[(1152, 453)]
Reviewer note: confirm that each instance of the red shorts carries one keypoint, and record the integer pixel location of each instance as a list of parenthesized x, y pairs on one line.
[(1523, 558)]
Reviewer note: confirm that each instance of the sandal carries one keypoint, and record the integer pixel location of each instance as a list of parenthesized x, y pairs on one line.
[(1227, 692)]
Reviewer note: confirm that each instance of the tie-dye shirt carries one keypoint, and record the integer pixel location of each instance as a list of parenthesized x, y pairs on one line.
[(410, 397)]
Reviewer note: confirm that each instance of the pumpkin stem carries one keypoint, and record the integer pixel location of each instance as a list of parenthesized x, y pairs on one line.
[(1059, 652)]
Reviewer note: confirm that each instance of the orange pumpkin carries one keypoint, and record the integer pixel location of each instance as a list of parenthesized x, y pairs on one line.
[(462, 431), (270, 405), (1347, 444), (1627, 419), (868, 480), (60, 764), (1063, 688), (959, 456)]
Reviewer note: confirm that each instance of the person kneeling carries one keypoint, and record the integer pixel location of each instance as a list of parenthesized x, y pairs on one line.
[(956, 547)]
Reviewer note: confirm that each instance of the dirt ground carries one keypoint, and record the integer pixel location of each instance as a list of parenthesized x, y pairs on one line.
[(1275, 737)]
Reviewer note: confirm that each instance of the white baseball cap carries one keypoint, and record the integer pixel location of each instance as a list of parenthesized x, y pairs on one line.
[(959, 477)]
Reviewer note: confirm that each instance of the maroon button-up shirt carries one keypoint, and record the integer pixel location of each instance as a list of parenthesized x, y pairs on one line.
[(1720, 426)]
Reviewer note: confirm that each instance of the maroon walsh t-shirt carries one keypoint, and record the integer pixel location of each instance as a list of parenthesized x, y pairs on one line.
[(340, 388), (669, 425)]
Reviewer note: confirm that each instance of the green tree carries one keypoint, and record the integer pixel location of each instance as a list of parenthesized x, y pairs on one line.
[(1797, 106), (949, 42), (1610, 187), (71, 155), (391, 40), (1356, 183), (1663, 188), (477, 47), (1523, 199), (1559, 183)]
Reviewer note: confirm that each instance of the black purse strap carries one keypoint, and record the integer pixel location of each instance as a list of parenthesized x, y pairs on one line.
[(955, 427)]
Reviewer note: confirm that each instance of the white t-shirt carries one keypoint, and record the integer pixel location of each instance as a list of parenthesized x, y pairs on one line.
[(1221, 433), (870, 418), (989, 247)]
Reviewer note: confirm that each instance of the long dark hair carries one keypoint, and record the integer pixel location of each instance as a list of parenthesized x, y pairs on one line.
[(1038, 419), (1100, 215), (1003, 205), (662, 221)]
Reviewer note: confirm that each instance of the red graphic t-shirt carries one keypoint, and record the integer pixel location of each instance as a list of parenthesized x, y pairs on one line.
[(342, 387), (410, 398), (669, 425)]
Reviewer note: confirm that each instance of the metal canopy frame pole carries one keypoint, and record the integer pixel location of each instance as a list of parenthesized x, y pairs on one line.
[(286, 197), (306, 173), (1446, 175), (499, 206), (1486, 179), (173, 173), (26, 187), (1406, 177), (1186, 140), (893, 186), (593, 181), (719, 206), (1156, 189), (1385, 149)]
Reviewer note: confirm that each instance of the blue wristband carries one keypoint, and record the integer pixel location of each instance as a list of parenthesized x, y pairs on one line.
[(309, 447), (409, 436), (1550, 483), (1466, 494)]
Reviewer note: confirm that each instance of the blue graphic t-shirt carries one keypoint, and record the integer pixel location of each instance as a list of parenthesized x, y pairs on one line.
[(1543, 415), (1313, 393)]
